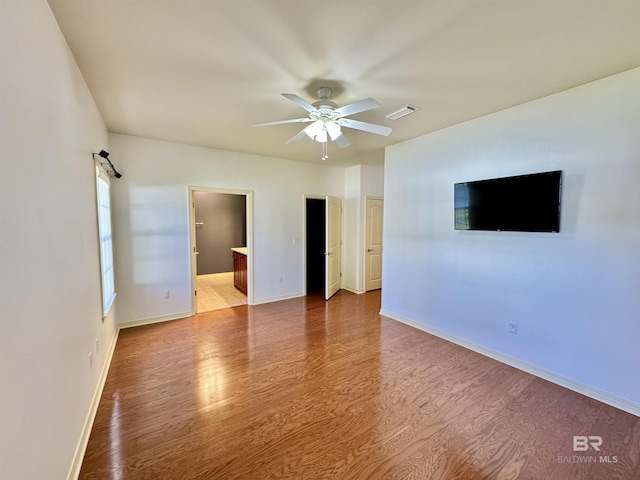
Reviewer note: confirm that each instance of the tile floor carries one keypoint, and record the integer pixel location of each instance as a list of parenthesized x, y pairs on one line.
[(216, 291)]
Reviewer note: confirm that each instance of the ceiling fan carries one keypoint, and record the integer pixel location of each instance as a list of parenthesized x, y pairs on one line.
[(327, 118)]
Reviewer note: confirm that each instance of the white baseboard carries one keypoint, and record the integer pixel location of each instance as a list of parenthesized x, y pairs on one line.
[(353, 290), (78, 457), (586, 390), (278, 299), (149, 321)]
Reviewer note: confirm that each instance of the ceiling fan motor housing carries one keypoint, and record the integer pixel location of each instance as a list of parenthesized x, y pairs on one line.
[(324, 111), (324, 103), (324, 108)]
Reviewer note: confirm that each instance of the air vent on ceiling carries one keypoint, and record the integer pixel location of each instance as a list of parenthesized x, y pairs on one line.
[(402, 112)]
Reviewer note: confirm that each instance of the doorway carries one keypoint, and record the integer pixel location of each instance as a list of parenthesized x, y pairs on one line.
[(220, 227), (315, 236), (323, 245)]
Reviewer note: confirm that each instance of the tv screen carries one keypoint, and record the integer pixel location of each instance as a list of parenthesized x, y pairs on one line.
[(526, 203)]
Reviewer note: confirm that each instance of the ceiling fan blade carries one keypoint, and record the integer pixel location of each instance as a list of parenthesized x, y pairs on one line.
[(357, 107), (299, 136), (364, 126), (294, 120), (304, 104), (342, 141)]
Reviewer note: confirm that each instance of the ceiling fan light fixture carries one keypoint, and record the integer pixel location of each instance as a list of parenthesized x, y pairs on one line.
[(322, 129), (333, 129), (314, 129)]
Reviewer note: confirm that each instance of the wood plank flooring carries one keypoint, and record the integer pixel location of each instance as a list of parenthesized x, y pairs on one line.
[(308, 389)]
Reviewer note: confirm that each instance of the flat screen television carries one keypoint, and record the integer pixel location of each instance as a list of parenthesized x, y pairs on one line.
[(525, 203)]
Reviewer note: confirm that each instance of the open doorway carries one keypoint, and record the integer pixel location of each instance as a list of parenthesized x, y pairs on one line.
[(323, 245), (315, 238), (220, 236)]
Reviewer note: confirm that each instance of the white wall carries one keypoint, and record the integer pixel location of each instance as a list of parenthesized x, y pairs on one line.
[(360, 181), (50, 306), (575, 295), (151, 227)]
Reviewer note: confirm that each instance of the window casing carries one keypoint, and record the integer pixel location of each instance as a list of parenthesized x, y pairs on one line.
[(106, 242)]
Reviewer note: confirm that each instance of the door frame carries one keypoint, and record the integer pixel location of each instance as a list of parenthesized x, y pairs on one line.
[(192, 237), (304, 236), (305, 239)]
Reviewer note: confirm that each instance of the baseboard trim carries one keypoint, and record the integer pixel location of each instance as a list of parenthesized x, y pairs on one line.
[(78, 457), (278, 299), (586, 390), (353, 290), (151, 320)]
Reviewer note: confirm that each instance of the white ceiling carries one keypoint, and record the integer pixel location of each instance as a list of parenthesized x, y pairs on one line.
[(204, 72)]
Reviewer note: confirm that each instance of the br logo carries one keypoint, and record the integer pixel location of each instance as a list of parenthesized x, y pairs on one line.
[(582, 443)]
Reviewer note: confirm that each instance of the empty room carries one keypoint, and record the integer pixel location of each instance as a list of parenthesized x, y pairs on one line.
[(432, 265)]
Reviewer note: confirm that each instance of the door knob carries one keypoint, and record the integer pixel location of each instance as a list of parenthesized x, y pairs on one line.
[(369, 249)]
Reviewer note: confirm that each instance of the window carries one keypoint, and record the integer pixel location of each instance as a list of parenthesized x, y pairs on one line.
[(106, 246)]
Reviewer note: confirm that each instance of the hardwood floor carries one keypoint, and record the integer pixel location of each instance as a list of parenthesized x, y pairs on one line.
[(308, 389)]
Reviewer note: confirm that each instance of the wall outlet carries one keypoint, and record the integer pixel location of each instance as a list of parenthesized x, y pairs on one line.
[(167, 294), (513, 328)]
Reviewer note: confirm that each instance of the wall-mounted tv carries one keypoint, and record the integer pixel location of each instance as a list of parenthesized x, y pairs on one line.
[(525, 203)]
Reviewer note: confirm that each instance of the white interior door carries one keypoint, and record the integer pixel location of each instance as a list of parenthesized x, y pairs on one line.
[(333, 242), (373, 244)]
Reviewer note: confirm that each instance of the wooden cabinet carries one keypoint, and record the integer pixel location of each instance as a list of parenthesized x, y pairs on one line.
[(240, 271)]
